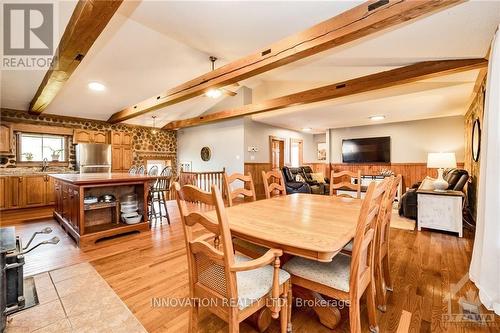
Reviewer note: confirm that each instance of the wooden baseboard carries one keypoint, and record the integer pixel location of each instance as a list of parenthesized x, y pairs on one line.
[(15, 216)]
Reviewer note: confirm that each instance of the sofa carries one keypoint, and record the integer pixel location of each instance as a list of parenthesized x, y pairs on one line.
[(291, 183), (305, 177), (456, 178)]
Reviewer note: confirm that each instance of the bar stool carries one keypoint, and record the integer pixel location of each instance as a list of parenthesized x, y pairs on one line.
[(157, 195), (132, 170), (141, 170)]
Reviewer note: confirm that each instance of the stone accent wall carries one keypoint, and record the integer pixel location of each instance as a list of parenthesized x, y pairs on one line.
[(145, 143), (476, 111)]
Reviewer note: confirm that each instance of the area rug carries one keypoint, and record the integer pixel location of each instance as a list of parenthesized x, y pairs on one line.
[(400, 222)]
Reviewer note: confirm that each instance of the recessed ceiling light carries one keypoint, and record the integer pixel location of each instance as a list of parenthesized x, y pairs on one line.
[(377, 118), (213, 93), (307, 129), (96, 86)]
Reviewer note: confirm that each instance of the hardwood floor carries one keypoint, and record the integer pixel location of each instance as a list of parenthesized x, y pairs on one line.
[(153, 265)]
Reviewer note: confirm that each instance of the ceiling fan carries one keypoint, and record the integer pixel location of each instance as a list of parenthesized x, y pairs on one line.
[(217, 92)]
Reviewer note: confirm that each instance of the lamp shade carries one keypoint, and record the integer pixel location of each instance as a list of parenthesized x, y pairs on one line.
[(441, 160)]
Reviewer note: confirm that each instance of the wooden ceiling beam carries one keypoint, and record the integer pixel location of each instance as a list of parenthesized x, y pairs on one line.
[(363, 20), (403, 75), (88, 20)]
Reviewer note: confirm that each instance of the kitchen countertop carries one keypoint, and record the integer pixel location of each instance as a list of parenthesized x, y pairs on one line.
[(24, 172), (102, 178)]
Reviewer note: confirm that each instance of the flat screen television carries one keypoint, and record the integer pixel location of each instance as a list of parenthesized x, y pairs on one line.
[(367, 150)]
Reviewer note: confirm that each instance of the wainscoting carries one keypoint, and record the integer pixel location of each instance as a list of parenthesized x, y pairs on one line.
[(411, 172), (255, 169)]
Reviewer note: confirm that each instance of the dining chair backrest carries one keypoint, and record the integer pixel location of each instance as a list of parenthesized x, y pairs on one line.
[(209, 264), (132, 170), (385, 220), (141, 170), (346, 184), (363, 251), (248, 189), (273, 183), (163, 182), (153, 171)]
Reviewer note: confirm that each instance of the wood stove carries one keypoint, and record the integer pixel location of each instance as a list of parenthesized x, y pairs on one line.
[(11, 270)]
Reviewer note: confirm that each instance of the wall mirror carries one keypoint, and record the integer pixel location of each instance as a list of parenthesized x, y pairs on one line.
[(476, 140)]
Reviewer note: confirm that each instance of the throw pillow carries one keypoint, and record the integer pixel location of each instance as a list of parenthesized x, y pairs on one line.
[(318, 177), (299, 178)]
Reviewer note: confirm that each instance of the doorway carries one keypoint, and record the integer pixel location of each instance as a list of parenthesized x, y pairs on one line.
[(296, 152), (277, 152)]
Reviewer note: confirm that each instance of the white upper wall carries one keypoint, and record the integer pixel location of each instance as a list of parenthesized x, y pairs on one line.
[(225, 140), (257, 135), (411, 141)]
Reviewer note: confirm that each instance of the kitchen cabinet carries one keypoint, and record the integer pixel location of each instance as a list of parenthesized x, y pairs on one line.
[(15, 192), (36, 191), (88, 136), (27, 191), (3, 192), (50, 191), (121, 151), (5, 138)]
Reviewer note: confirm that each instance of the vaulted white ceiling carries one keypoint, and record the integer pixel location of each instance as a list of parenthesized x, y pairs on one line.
[(151, 46)]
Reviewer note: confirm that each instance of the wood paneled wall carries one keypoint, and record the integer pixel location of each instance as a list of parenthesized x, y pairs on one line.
[(411, 172), (255, 169), (476, 111)]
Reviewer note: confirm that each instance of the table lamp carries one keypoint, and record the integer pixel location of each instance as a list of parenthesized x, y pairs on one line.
[(441, 161)]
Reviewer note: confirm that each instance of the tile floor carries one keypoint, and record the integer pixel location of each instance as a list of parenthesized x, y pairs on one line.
[(74, 299)]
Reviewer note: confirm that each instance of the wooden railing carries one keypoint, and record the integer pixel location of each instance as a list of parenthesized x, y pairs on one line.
[(203, 179)]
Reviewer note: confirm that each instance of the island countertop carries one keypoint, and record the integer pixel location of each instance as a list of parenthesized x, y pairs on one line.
[(101, 178)]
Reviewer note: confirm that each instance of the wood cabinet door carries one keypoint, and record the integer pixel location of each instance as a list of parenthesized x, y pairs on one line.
[(66, 203), (116, 159), (15, 192), (75, 208), (99, 137), (50, 191), (58, 194), (5, 138), (127, 139), (126, 158), (35, 190), (82, 136), (116, 138), (3, 192)]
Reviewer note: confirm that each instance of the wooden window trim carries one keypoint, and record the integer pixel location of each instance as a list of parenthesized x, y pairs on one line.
[(19, 162)]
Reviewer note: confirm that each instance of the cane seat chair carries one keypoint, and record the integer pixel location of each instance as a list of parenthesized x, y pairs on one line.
[(274, 184), (347, 278), (233, 287), (346, 184)]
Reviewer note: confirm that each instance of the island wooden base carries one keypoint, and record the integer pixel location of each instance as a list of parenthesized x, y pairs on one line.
[(87, 241)]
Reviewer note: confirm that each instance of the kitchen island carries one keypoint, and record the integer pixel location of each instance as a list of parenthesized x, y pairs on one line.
[(89, 223)]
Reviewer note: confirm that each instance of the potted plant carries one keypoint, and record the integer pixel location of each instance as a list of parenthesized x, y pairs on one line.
[(55, 153), (29, 156)]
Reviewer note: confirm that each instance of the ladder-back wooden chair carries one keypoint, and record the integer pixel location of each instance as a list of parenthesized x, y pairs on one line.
[(247, 191), (383, 280), (346, 277), (273, 183), (345, 185), (235, 286)]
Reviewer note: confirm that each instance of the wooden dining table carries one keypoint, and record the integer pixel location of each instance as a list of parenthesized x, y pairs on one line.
[(316, 227)]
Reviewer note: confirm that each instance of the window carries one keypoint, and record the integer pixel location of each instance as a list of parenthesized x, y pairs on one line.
[(296, 152), (32, 147)]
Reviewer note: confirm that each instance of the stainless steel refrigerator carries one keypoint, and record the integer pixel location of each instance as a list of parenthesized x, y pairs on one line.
[(93, 157)]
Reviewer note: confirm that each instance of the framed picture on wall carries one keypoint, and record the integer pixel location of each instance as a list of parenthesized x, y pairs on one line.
[(322, 151)]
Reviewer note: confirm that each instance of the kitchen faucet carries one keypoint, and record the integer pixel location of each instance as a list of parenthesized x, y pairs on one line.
[(45, 164)]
